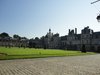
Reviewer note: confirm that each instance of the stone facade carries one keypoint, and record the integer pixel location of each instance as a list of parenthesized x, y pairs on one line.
[(72, 41), (13, 42)]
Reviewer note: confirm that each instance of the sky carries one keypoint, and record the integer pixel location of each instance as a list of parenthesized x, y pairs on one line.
[(33, 18)]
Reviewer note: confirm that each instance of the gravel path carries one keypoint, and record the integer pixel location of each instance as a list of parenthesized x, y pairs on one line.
[(77, 65)]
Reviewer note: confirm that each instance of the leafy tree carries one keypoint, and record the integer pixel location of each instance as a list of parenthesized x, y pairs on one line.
[(83, 49), (24, 37), (98, 49), (3, 35), (36, 38), (16, 36)]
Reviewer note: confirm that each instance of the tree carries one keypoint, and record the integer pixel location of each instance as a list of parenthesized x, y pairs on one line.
[(3, 35), (25, 38), (83, 49), (16, 36), (98, 49), (5, 39), (36, 38)]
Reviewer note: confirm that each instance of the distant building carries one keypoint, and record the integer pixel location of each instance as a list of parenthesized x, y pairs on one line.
[(88, 38), (13, 42), (73, 41)]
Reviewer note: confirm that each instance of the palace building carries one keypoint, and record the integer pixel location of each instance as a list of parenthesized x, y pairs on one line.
[(73, 41)]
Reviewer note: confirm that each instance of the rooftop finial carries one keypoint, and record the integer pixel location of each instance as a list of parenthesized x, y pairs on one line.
[(49, 30)]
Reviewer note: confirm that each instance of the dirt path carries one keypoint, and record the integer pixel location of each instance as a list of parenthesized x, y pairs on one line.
[(78, 65)]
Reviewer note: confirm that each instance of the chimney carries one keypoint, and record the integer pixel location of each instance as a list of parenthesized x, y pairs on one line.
[(75, 30), (69, 31)]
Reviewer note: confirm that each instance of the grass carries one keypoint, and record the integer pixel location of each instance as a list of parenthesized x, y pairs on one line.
[(18, 53)]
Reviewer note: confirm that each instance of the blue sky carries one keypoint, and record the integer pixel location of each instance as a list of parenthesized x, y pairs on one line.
[(33, 18)]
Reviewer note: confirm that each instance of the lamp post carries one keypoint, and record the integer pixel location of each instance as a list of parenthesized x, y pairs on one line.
[(98, 17)]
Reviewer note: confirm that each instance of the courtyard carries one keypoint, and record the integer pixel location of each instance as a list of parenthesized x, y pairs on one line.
[(73, 65)]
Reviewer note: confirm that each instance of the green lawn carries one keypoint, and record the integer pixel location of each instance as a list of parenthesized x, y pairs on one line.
[(16, 53)]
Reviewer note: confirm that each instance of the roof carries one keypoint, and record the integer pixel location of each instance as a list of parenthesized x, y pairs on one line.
[(96, 33)]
